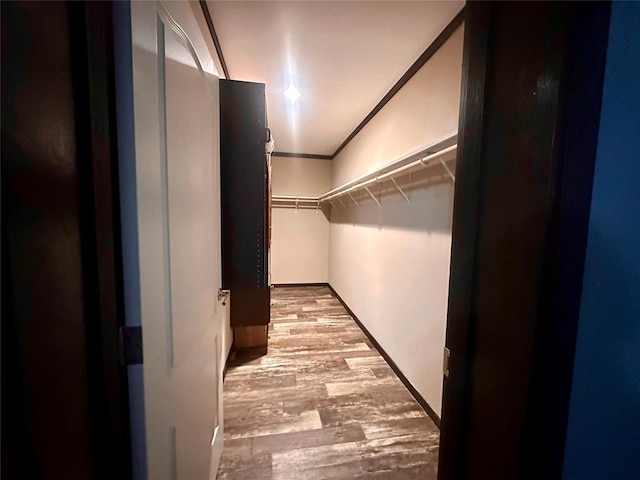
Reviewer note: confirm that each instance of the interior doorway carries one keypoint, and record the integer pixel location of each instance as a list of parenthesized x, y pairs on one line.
[(370, 222), (530, 97)]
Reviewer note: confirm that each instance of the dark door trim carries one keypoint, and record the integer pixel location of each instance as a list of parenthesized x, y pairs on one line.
[(463, 240), (94, 85), (61, 259), (528, 135)]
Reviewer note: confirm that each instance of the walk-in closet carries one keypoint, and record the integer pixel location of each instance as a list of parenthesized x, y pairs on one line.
[(359, 240)]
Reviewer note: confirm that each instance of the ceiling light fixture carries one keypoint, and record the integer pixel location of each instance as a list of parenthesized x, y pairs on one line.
[(292, 93)]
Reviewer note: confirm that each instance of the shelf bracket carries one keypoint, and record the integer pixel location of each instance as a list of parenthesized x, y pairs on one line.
[(372, 195), (400, 190), (354, 200), (342, 202), (297, 204), (444, 164)]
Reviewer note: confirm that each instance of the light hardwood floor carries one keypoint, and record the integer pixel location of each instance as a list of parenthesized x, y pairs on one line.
[(322, 404)]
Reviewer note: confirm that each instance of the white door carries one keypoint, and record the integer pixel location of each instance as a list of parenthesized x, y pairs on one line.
[(176, 112)]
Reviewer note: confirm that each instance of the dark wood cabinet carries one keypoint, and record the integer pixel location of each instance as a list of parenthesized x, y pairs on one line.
[(245, 201)]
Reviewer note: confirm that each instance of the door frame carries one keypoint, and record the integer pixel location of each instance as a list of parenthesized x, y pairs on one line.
[(560, 256), (91, 26), (89, 31), (94, 84), (97, 84)]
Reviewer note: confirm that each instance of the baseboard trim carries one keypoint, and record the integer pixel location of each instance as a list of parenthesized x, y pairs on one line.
[(230, 355), (283, 285), (421, 401)]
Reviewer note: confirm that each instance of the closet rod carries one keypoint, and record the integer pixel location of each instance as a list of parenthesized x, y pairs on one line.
[(389, 174), (422, 162), (425, 157), (444, 142), (290, 201), (293, 197), (306, 206)]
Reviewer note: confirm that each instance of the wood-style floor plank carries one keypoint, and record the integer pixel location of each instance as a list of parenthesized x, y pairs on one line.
[(322, 404)]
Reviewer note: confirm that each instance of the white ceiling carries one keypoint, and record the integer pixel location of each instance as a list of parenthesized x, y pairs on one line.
[(342, 56)]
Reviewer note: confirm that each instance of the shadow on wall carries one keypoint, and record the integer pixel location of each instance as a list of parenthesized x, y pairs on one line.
[(430, 206)]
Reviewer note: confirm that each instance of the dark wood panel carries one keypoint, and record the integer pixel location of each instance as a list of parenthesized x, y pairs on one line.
[(519, 123), (463, 243), (40, 224), (250, 306), (94, 80), (574, 152), (245, 200), (531, 99), (64, 395)]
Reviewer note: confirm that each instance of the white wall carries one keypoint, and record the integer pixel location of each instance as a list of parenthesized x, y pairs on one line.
[(425, 109), (299, 239), (391, 265)]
